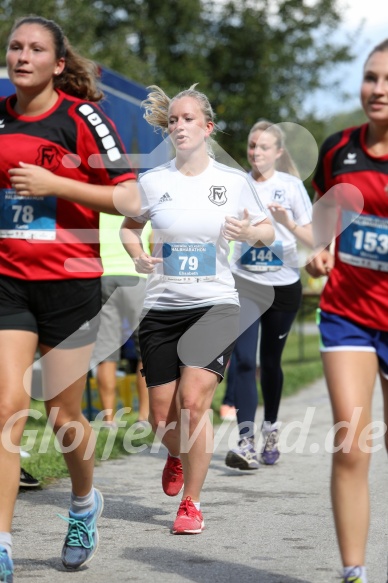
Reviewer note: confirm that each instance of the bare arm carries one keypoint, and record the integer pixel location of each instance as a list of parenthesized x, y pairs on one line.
[(324, 220), (258, 235), (31, 180), (130, 234), (304, 233)]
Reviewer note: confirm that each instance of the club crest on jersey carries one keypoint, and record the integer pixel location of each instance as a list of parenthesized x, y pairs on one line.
[(49, 158), (278, 195), (218, 195), (351, 158)]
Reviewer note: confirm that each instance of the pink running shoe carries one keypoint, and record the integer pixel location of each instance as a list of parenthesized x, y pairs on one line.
[(188, 520), (172, 477), (228, 413)]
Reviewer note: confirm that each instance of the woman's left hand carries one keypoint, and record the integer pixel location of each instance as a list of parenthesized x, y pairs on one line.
[(31, 180), (235, 230), (280, 214)]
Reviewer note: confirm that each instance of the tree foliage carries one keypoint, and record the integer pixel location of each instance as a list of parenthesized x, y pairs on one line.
[(253, 58)]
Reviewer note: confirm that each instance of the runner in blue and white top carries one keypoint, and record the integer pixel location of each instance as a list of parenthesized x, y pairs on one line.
[(268, 282), (191, 316)]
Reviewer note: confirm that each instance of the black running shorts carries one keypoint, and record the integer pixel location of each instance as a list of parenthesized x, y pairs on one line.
[(199, 337), (60, 312)]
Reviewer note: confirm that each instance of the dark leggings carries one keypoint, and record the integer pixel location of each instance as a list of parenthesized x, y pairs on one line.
[(241, 382)]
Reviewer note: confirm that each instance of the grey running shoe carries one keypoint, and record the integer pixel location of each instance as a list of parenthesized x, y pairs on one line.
[(270, 453), (244, 456)]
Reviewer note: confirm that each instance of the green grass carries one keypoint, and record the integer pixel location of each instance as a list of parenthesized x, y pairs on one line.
[(46, 462)]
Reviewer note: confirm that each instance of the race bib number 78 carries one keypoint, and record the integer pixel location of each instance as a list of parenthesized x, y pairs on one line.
[(22, 217)]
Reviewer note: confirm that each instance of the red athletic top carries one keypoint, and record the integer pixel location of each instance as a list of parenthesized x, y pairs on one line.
[(357, 287), (47, 238)]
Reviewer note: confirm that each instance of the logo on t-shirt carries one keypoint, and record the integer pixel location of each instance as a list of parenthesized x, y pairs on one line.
[(218, 195), (165, 198), (48, 157), (278, 195), (351, 158)]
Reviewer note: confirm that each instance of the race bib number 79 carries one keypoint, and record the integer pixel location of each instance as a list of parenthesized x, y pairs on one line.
[(189, 262)]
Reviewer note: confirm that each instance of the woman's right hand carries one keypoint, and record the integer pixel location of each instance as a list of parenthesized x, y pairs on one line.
[(145, 263), (320, 263), (32, 180)]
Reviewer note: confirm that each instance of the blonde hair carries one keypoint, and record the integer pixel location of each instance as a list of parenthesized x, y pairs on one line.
[(80, 75), (284, 163), (157, 107)]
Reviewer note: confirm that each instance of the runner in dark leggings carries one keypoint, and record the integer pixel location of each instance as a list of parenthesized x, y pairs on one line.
[(270, 290), (274, 323)]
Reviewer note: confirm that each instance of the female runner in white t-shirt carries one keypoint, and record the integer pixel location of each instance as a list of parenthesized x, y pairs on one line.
[(270, 290), (191, 310)]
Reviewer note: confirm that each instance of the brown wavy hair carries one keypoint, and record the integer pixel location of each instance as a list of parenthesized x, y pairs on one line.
[(80, 76)]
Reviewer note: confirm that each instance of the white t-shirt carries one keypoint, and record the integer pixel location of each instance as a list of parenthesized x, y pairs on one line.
[(278, 264), (187, 215)]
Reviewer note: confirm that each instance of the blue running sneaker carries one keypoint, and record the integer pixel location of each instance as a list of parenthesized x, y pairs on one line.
[(81, 541), (270, 453), (6, 566), (244, 456)]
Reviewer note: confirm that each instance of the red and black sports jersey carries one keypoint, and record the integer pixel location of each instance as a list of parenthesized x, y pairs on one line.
[(47, 237), (358, 284)]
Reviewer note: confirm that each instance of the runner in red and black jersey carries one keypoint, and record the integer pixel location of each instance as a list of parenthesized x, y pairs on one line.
[(345, 159), (352, 203), (62, 163)]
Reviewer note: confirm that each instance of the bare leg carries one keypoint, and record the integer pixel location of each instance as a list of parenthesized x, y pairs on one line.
[(194, 397), (142, 392), (64, 374), (106, 382), (17, 349), (163, 413), (351, 378), (384, 387)]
